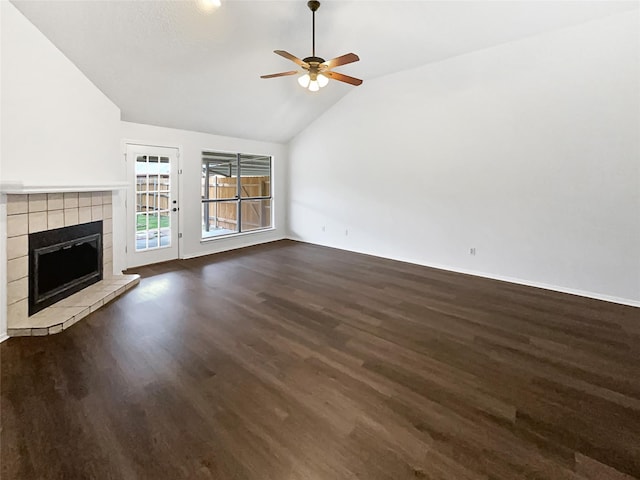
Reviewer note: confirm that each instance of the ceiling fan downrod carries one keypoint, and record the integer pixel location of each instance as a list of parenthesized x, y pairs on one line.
[(313, 6), (313, 60)]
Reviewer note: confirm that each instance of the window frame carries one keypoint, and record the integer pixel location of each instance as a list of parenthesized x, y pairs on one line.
[(239, 198)]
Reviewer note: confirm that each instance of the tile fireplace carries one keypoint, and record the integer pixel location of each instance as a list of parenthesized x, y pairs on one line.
[(45, 231)]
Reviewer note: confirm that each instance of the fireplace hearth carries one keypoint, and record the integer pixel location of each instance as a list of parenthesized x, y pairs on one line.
[(63, 261)]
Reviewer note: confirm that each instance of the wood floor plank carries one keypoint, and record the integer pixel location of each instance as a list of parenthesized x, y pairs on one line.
[(299, 362)]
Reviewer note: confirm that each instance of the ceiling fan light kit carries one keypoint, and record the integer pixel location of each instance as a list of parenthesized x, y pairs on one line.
[(316, 72)]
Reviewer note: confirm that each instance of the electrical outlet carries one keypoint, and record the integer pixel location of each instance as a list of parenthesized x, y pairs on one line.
[(472, 251)]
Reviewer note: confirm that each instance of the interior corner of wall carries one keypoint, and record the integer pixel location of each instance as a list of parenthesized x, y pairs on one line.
[(3, 270)]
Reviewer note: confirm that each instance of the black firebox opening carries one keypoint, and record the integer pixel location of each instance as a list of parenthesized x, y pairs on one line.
[(63, 261)]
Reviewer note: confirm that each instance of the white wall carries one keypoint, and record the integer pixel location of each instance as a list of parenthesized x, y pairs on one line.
[(57, 127), (191, 145), (528, 151)]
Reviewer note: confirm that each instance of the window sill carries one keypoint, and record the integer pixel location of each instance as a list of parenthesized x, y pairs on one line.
[(235, 235)]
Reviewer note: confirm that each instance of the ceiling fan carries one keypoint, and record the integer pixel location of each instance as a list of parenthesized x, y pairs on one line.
[(317, 71)]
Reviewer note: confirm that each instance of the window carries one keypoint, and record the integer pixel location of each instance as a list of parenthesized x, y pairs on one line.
[(236, 193)]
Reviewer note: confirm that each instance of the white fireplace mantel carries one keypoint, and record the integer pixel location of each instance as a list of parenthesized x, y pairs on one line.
[(18, 188)]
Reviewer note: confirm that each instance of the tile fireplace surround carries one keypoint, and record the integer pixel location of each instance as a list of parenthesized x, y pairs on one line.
[(30, 213)]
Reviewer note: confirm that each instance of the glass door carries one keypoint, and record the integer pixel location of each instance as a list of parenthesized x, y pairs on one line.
[(152, 205)]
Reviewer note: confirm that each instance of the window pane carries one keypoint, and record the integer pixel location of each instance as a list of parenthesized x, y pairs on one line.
[(256, 176), (163, 201), (141, 221), (141, 182), (165, 229), (153, 231), (256, 214), (219, 218), (219, 176), (164, 167), (148, 202), (141, 231), (164, 183), (152, 238), (223, 188), (140, 203)]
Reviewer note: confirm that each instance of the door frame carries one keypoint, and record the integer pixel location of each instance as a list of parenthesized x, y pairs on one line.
[(131, 185)]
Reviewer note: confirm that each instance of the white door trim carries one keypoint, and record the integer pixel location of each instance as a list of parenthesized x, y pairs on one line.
[(176, 194)]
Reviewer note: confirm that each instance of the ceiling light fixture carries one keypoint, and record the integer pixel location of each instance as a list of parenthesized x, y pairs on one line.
[(314, 84), (209, 5), (315, 71)]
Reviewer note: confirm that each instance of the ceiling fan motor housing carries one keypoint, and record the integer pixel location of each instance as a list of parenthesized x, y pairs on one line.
[(314, 66), (312, 60)]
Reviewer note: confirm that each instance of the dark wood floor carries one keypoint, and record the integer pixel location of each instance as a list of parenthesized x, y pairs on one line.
[(296, 362)]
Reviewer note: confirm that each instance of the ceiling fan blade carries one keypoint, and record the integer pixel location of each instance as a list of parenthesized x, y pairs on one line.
[(341, 60), (343, 78), (282, 74), (293, 58)]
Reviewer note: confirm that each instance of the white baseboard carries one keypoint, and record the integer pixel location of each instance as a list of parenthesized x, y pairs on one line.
[(545, 286), (581, 293), (226, 247), (3, 337)]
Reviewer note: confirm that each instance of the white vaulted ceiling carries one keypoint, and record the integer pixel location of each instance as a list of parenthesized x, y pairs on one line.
[(170, 63)]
